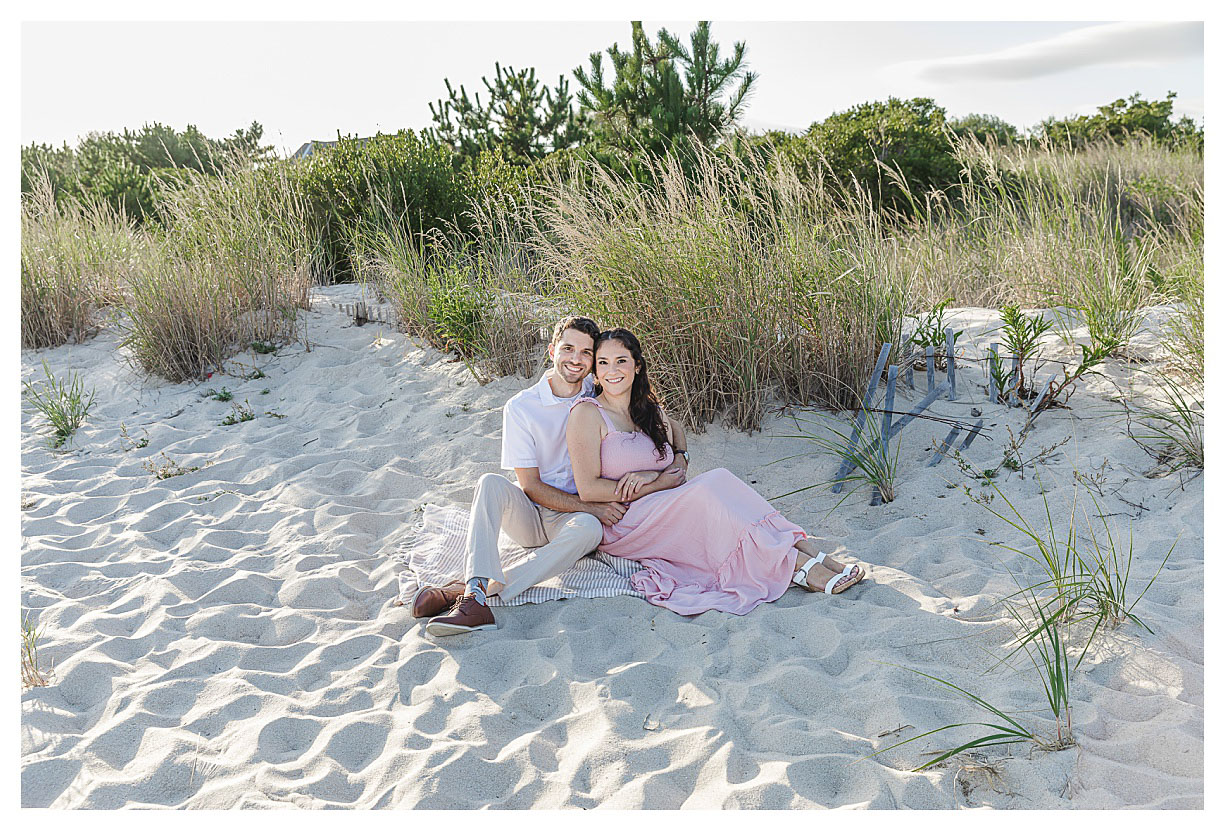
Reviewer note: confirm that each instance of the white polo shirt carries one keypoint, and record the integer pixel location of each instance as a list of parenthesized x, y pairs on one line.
[(534, 432)]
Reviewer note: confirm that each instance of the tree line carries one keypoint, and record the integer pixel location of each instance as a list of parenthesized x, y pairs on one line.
[(625, 106)]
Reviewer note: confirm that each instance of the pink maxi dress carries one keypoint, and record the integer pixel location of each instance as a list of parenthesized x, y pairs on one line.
[(711, 543)]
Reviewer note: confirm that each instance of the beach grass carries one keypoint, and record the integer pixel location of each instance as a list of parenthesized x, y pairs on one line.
[(63, 402), (234, 264), (745, 285), (32, 672), (74, 258), (856, 447), (455, 296)]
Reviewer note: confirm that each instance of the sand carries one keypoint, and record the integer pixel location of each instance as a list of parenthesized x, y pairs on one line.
[(228, 637)]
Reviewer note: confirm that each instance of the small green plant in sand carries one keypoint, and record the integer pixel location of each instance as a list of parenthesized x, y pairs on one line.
[(1171, 430), (241, 412), (930, 331), (32, 674), (870, 465), (128, 443), (1021, 336), (1083, 581), (261, 348), (219, 395), (63, 403), (265, 391), (275, 414), (168, 469)]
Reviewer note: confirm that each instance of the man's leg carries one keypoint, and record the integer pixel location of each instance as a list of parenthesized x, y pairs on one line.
[(499, 505), (570, 537), (496, 505)]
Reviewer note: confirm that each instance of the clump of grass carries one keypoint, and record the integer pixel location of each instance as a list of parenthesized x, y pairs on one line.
[(73, 259), (168, 469), (232, 267), (857, 447), (1081, 581), (241, 412), (32, 674), (262, 348), (1007, 730), (744, 283), (460, 298), (219, 395), (1108, 587), (63, 403), (1172, 429)]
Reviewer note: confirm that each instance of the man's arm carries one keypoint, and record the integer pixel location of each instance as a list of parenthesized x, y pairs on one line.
[(550, 497)]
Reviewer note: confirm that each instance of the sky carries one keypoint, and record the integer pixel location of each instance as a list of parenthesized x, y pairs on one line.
[(308, 80)]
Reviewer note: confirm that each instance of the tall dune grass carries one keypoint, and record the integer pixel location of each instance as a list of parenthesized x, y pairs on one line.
[(744, 285), (234, 264), (1099, 232), (74, 258), (459, 297)]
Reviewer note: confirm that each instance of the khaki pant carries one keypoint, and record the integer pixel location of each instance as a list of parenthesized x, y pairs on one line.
[(559, 539)]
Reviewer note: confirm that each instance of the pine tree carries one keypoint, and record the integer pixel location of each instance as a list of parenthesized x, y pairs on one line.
[(664, 95), (523, 117)]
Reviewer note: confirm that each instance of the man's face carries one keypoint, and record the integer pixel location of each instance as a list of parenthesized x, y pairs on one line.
[(572, 355)]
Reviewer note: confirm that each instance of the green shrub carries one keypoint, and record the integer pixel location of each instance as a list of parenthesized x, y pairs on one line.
[(908, 136), (399, 178), (456, 306)]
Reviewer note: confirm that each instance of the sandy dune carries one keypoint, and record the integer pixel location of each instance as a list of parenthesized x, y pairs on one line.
[(227, 637)]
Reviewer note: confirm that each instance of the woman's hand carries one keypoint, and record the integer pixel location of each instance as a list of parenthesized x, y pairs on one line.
[(631, 483)]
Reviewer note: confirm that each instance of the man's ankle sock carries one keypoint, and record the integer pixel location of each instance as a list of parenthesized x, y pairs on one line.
[(476, 587)]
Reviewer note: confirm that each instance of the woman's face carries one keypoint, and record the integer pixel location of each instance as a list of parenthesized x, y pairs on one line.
[(614, 367)]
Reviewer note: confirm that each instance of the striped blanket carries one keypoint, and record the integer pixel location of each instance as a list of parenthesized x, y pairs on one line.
[(434, 556)]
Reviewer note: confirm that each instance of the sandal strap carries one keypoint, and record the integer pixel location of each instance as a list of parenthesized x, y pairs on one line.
[(800, 578), (833, 581)]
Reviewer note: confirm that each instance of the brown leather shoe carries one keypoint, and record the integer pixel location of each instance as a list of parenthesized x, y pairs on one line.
[(465, 616), (434, 600)]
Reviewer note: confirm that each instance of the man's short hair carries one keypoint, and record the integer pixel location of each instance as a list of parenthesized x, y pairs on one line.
[(583, 324)]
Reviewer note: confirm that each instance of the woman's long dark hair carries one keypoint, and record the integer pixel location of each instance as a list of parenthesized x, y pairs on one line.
[(644, 407)]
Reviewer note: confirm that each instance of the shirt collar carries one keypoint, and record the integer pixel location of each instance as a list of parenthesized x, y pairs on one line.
[(546, 392)]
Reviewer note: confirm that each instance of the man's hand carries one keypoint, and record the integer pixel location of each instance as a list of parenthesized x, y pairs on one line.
[(632, 482), (608, 513), (672, 477)]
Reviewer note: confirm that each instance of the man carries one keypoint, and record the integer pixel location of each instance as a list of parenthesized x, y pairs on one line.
[(543, 512)]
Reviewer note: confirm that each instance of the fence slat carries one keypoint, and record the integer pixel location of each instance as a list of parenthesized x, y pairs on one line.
[(869, 393), (952, 364), (944, 446), (992, 360)]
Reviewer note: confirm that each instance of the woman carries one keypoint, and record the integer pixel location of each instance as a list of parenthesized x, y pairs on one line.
[(708, 543)]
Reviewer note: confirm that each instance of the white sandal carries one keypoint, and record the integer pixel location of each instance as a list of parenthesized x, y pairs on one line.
[(800, 578)]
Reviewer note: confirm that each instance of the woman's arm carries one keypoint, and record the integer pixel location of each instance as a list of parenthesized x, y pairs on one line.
[(583, 436)]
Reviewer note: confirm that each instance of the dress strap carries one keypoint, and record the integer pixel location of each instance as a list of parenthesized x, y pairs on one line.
[(603, 414)]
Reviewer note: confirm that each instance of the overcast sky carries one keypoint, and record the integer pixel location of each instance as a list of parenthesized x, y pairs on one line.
[(305, 81)]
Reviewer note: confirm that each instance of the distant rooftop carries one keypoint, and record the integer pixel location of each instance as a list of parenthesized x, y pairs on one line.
[(312, 147)]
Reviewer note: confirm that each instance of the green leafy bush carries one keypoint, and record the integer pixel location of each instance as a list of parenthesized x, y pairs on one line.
[(908, 136)]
